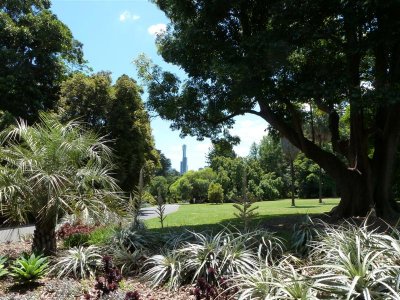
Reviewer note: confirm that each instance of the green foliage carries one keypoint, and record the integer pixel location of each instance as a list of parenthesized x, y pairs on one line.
[(215, 193), (3, 270), (208, 256), (101, 235), (158, 183), (80, 262), (76, 239), (161, 209), (37, 50), (276, 61), (245, 209), (28, 269), (193, 185), (303, 235), (346, 262), (50, 168), (118, 112)]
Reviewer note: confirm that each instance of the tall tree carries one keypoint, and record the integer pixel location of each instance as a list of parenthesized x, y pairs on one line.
[(118, 112), (271, 58), (35, 50)]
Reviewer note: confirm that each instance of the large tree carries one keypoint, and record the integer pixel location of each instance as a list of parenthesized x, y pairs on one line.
[(35, 51), (273, 58), (118, 112)]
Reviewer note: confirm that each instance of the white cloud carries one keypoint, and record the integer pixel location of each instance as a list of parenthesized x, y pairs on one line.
[(250, 130), (157, 29), (128, 16)]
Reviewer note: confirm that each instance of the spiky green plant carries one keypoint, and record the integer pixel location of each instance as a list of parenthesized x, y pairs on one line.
[(29, 268), (246, 211), (165, 268), (303, 234), (50, 168), (3, 270), (80, 262)]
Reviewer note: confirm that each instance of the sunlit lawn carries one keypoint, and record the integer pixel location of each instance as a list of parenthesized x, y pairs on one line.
[(209, 215)]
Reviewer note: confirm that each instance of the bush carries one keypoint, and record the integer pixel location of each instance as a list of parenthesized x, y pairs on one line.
[(215, 193), (101, 235), (75, 235)]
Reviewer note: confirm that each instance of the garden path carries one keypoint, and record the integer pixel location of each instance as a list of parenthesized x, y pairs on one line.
[(16, 233)]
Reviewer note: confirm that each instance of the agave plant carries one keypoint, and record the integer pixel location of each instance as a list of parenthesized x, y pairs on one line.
[(49, 168), (80, 262), (29, 269)]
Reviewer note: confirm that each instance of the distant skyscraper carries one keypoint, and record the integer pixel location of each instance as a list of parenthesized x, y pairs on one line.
[(184, 164)]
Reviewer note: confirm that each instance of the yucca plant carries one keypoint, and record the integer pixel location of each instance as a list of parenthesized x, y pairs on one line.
[(203, 254), (130, 262), (3, 270), (166, 269), (50, 168), (303, 234), (80, 262), (29, 268), (259, 284)]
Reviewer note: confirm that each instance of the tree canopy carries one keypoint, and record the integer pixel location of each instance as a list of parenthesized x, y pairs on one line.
[(116, 111), (35, 51), (273, 59)]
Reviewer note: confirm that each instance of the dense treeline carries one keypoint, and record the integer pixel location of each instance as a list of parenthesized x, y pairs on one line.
[(267, 175)]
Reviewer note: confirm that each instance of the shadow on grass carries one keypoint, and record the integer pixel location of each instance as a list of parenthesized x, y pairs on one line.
[(281, 224)]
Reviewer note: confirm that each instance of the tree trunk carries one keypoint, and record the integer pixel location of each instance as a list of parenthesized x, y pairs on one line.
[(292, 184), (320, 185), (44, 237)]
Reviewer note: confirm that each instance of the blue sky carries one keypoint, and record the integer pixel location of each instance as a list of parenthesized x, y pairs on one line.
[(114, 32)]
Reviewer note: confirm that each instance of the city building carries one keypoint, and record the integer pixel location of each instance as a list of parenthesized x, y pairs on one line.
[(184, 164)]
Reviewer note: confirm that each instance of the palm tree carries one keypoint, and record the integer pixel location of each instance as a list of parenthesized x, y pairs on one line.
[(49, 169)]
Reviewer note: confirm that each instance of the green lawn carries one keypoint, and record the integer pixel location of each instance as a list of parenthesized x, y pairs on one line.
[(200, 216)]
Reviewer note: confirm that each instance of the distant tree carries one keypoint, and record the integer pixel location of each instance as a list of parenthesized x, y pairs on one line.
[(87, 98), (223, 147), (36, 50), (215, 193), (116, 111), (158, 184), (165, 165), (129, 127)]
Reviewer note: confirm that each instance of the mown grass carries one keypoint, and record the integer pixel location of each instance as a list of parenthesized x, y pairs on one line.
[(202, 216)]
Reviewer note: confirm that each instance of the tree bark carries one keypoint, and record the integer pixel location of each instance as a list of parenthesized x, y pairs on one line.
[(292, 184), (44, 237)]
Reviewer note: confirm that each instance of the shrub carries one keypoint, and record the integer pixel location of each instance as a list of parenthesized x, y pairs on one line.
[(215, 193), (79, 261), (75, 235), (28, 269), (101, 235)]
